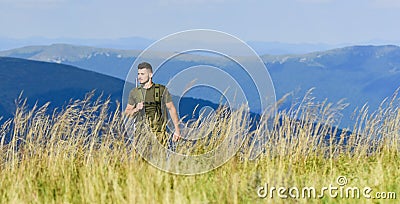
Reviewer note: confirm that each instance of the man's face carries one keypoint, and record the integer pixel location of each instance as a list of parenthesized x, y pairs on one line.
[(144, 76)]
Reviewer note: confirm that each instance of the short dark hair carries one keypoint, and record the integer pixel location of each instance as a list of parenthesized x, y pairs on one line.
[(145, 65)]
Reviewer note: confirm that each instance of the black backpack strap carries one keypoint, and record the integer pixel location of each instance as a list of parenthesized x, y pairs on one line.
[(157, 93)]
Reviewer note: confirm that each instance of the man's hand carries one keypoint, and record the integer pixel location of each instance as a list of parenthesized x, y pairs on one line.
[(176, 136), (175, 120), (139, 106), (131, 110)]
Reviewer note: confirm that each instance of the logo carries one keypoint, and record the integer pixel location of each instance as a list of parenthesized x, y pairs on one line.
[(216, 68)]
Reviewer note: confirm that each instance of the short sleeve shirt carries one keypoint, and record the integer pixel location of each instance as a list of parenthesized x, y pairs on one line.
[(138, 94)]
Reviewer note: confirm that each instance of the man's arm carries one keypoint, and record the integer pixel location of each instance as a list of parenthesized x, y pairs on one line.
[(131, 109), (175, 119)]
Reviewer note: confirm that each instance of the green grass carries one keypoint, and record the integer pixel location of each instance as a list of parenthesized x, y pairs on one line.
[(59, 158)]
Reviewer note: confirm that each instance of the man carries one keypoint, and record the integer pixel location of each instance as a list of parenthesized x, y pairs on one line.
[(150, 101)]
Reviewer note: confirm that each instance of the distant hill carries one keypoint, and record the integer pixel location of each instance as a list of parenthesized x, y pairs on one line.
[(279, 48), (140, 43), (365, 72), (42, 82), (111, 62), (131, 43), (115, 63), (360, 74)]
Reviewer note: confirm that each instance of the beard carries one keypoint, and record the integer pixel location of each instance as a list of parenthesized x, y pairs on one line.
[(144, 82)]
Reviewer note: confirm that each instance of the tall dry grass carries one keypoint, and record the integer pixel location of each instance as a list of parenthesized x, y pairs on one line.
[(84, 154)]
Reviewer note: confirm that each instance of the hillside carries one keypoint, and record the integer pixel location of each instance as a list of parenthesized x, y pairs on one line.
[(43, 82), (110, 62), (57, 83), (359, 74)]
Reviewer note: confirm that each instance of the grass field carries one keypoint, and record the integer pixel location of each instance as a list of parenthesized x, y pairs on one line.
[(81, 155)]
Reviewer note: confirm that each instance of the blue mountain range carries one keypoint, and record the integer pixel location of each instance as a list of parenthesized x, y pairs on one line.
[(358, 74)]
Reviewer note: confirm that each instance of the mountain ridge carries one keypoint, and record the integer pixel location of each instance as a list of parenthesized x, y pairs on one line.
[(40, 81), (360, 74)]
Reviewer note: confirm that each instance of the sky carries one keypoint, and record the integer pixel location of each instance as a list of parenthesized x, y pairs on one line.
[(289, 21)]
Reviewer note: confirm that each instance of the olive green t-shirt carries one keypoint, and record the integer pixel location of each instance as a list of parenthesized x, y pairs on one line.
[(155, 112)]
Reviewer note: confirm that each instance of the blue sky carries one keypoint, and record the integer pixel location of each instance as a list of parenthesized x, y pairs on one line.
[(290, 21)]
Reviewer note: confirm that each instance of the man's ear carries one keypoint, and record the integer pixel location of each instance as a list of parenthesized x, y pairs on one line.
[(151, 75)]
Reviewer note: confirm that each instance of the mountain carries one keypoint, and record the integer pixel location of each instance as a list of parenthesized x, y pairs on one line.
[(279, 48), (115, 63), (42, 82), (359, 74), (365, 70), (131, 43), (140, 43), (112, 62)]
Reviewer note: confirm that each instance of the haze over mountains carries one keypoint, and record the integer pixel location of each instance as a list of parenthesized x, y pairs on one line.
[(106, 61), (140, 43), (360, 74)]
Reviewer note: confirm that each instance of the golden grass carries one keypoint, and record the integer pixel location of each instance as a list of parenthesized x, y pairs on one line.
[(85, 155)]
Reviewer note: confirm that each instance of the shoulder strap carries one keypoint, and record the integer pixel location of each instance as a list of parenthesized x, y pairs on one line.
[(157, 93)]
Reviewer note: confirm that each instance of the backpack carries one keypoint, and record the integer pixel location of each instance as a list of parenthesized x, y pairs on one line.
[(157, 103)]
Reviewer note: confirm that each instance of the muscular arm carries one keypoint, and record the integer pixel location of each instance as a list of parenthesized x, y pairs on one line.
[(175, 119)]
